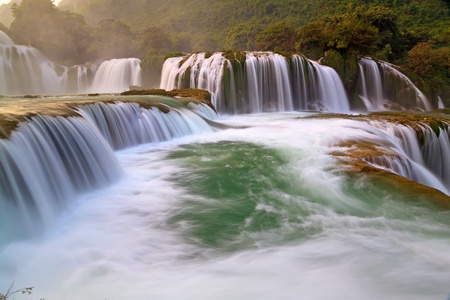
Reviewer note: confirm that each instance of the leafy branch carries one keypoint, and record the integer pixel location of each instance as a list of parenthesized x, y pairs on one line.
[(9, 292)]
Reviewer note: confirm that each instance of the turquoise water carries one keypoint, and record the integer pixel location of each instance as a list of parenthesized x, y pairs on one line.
[(261, 210)]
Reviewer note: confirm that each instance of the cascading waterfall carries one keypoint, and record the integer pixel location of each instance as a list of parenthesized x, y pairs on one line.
[(127, 124), (44, 164), (203, 110), (78, 79), (422, 154), (382, 85), (25, 70), (398, 84), (49, 160), (264, 82), (268, 83), (371, 89), (436, 152), (5, 39), (440, 103), (117, 75), (330, 93)]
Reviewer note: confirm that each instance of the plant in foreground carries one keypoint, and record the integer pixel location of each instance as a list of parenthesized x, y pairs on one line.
[(10, 292)]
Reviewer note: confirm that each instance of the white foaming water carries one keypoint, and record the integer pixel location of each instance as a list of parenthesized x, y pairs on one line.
[(117, 243)]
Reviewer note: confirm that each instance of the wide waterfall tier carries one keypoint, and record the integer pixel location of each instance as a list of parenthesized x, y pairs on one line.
[(383, 87), (48, 160), (255, 82), (25, 70)]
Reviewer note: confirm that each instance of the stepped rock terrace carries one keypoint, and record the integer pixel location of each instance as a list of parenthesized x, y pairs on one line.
[(14, 110)]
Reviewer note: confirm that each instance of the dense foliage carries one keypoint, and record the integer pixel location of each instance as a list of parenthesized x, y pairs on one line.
[(59, 34), (411, 33)]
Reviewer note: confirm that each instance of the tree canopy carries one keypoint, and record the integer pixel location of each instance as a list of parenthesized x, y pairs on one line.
[(62, 35)]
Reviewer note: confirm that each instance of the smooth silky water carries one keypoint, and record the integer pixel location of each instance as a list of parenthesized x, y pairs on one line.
[(261, 210)]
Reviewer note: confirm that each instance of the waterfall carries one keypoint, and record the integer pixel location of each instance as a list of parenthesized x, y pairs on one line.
[(261, 82), (127, 124), (44, 164), (117, 75), (332, 96), (49, 160), (382, 85), (5, 39), (78, 79), (436, 152), (440, 103), (25, 70), (371, 89), (421, 154), (268, 83)]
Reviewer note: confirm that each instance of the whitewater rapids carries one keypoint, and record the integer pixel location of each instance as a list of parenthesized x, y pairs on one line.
[(260, 210)]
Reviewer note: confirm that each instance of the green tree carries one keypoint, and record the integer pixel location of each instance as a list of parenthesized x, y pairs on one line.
[(433, 66), (113, 39), (62, 36), (155, 39), (426, 62), (390, 42), (182, 42), (276, 37), (242, 37), (311, 40), (350, 33)]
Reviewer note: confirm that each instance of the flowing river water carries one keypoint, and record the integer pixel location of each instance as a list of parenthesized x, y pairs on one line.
[(260, 209)]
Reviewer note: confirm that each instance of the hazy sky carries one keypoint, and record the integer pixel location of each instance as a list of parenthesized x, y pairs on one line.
[(7, 1)]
